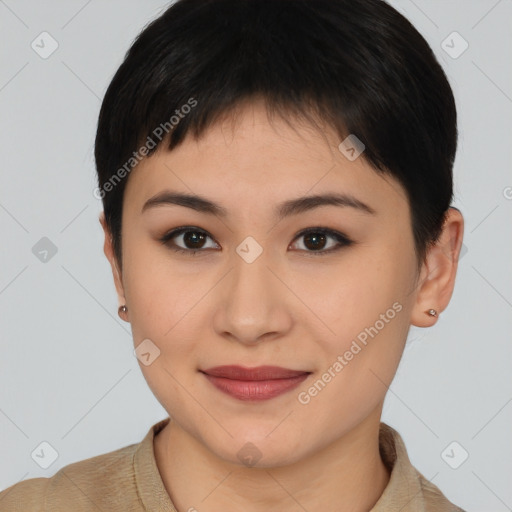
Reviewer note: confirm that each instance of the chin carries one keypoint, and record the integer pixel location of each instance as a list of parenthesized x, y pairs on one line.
[(254, 447)]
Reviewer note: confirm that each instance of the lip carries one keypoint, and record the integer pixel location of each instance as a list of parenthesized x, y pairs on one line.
[(254, 384)]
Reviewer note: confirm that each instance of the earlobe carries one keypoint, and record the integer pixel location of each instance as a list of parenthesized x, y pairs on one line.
[(438, 273)]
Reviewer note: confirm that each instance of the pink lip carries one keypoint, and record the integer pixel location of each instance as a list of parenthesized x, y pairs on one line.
[(254, 384)]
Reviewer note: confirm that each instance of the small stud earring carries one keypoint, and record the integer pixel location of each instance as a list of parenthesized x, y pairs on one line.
[(122, 309), (432, 312)]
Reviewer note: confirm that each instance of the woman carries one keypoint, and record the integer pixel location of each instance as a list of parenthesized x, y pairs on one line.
[(276, 179)]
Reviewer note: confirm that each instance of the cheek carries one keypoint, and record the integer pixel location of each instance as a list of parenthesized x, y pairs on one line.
[(162, 309), (364, 305), (156, 292), (351, 294), (163, 315)]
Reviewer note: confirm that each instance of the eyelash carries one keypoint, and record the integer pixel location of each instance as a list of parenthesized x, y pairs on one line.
[(342, 240)]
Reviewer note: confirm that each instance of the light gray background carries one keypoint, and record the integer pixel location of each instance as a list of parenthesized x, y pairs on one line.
[(68, 375)]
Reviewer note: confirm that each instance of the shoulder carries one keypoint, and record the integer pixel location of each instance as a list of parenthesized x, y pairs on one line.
[(435, 500), (96, 483), (26, 495)]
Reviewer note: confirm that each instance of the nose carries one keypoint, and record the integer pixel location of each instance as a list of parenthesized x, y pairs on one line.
[(253, 303)]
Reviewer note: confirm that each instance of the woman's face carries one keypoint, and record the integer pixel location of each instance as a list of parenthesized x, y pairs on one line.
[(259, 293)]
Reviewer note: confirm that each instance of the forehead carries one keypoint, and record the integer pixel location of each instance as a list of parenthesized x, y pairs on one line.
[(249, 160)]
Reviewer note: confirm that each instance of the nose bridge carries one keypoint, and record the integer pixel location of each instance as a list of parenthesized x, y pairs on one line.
[(251, 304)]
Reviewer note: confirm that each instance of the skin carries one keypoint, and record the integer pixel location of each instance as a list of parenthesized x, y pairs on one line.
[(290, 307)]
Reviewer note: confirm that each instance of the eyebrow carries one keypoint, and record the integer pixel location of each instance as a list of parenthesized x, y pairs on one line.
[(285, 209)]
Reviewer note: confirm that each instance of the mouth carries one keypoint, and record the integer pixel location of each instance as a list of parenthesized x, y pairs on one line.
[(254, 384)]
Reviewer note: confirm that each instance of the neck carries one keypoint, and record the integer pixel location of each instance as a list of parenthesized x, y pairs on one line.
[(347, 475)]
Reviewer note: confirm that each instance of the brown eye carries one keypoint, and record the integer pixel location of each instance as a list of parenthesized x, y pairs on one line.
[(316, 240), (194, 238), (186, 239)]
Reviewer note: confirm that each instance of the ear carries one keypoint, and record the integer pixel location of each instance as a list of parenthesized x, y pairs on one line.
[(437, 277), (108, 249)]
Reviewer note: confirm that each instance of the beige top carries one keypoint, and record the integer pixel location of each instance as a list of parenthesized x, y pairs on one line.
[(127, 480)]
